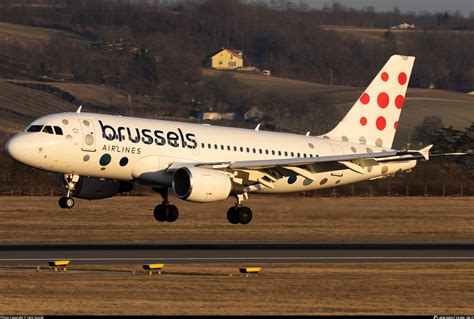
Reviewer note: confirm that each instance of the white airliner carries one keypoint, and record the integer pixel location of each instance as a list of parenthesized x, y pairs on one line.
[(102, 155)]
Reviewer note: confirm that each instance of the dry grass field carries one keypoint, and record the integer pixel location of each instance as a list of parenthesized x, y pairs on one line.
[(300, 289), (283, 219), (213, 289)]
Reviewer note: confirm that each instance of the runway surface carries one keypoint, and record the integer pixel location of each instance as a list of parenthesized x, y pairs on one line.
[(234, 253)]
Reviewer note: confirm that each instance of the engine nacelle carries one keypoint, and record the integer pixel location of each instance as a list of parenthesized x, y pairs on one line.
[(201, 185), (94, 188)]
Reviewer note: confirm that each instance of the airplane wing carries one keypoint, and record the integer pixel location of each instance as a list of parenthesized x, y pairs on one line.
[(385, 156), (258, 170)]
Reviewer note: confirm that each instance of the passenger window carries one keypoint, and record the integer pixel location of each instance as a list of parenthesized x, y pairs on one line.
[(203, 145), (35, 128), (260, 151), (254, 151), (248, 150), (235, 148), (292, 154), (279, 153), (266, 152), (222, 147), (228, 147), (273, 152), (48, 129), (58, 130), (215, 146), (241, 149), (209, 146), (298, 154), (286, 154)]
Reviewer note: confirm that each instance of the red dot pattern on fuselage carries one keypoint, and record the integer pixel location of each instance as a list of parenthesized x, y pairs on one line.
[(363, 121), (385, 76)]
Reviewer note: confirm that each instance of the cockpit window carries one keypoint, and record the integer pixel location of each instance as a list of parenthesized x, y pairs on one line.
[(35, 128), (48, 129), (58, 130)]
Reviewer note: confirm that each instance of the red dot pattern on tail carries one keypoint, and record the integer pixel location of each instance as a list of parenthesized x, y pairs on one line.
[(365, 98), (381, 123), (402, 78), (383, 99), (399, 101)]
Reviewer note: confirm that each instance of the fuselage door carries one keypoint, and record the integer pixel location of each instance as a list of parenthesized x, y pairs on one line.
[(88, 135)]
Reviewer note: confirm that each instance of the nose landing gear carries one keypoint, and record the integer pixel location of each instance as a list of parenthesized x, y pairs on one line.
[(66, 202), (70, 181)]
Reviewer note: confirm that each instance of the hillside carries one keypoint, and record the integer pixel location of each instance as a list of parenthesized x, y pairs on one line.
[(22, 101), (26, 35), (455, 109), (377, 33), (19, 105)]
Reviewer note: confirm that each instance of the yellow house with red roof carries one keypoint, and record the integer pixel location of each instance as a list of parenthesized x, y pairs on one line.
[(226, 59)]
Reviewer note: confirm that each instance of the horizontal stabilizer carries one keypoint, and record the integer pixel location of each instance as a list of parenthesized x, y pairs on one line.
[(425, 152)]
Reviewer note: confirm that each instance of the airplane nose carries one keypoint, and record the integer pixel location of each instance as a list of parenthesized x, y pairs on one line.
[(14, 148)]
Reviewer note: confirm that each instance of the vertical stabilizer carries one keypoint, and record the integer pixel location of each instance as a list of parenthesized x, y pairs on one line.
[(373, 119)]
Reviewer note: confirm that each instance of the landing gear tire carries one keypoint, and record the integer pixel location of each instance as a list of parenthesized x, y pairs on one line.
[(239, 215), (66, 202), (245, 215), (168, 213), (172, 213), (232, 216)]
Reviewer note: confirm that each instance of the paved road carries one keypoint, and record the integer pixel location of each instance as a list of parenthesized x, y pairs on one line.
[(234, 253)]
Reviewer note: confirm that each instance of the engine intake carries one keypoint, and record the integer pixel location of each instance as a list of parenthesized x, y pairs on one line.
[(201, 185), (94, 188)]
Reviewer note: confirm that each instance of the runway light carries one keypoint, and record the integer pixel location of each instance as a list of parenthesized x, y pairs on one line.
[(58, 265), (250, 270), (153, 268)]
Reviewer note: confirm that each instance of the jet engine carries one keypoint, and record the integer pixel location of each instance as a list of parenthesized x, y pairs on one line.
[(201, 185), (94, 188)]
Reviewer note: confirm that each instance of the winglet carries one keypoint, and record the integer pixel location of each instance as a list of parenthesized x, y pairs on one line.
[(258, 127), (79, 109), (425, 152)]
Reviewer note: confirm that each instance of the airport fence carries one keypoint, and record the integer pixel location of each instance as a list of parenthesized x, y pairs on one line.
[(363, 189)]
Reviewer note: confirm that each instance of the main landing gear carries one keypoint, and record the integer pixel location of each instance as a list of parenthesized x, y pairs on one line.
[(70, 181), (165, 212), (239, 214)]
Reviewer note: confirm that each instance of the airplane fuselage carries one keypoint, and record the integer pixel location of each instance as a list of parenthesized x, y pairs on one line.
[(137, 149)]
